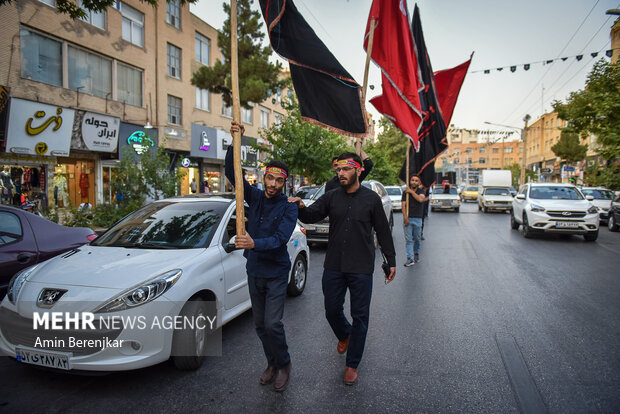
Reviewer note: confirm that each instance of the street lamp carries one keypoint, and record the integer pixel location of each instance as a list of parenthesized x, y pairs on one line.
[(526, 119)]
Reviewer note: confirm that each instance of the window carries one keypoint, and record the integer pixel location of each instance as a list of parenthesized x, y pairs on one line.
[(41, 58), (264, 118), (94, 18), (495, 150), (482, 161), (278, 118), (456, 160), (129, 84), (203, 99), (520, 149), (483, 150), (457, 150), (133, 25), (468, 150), (495, 160), (226, 110), (203, 48), (246, 115), (89, 73), (508, 150), (174, 110), (173, 13), (469, 161), (174, 61), (49, 2)]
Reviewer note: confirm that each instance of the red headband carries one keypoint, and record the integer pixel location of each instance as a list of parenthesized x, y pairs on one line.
[(277, 171), (350, 163)]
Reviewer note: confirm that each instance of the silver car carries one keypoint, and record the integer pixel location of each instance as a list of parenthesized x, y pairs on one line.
[(319, 232)]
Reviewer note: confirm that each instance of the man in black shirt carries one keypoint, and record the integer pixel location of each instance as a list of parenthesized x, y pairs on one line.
[(353, 211), (335, 183), (413, 220)]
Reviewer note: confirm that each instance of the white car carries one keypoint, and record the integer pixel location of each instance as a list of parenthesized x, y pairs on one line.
[(554, 208), (494, 199), (172, 261), (445, 199), (396, 193), (602, 198)]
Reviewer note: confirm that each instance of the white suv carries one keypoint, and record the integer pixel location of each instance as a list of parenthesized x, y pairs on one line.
[(554, 208)]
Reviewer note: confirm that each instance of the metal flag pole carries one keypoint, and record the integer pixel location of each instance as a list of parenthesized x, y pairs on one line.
[(234, 69), (371, 38)]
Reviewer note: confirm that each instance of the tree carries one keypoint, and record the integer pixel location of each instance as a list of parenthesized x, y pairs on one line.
[(157, 176), (515, 169), (568, 147), (257, 76), (305, 147), (76, 11), (388, 153)]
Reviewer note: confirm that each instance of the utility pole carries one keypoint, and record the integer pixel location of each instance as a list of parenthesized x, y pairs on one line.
[(526, 119)]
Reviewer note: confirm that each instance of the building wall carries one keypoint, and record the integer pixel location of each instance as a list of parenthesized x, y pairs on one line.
[(615, 41), (483, 155)]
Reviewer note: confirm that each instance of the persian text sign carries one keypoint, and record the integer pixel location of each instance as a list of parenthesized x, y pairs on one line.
[(100, 132)]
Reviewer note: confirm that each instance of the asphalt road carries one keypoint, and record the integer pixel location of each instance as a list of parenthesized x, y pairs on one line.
[(487, 322)]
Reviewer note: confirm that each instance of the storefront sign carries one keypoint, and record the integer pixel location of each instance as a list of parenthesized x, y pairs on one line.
[(100, 132), (135, 140), (185, 162), (204, 142), (140, 142), (39, 129), (249, 154)]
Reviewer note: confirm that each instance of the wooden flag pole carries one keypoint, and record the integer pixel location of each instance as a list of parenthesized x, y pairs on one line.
[(234, 69), (371, 38), (407, 177)]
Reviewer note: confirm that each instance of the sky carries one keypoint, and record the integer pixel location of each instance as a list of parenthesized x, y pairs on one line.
[(501, 33)]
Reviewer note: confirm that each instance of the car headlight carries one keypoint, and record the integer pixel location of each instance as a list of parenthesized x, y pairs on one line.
[(17, 281), (141, 294), (535, 208), (593, 210)]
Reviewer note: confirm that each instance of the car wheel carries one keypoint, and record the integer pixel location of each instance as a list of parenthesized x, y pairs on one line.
[(513, 223), (611, 223), (299, 273), (188, 345), (592, 236), (528, 232)]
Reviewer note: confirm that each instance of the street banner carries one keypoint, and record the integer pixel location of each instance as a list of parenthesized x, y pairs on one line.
[(328, 95)]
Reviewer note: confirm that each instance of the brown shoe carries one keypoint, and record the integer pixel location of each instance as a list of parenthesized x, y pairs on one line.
[(343, 345), (282, 377), (268, 376), (350, 376)]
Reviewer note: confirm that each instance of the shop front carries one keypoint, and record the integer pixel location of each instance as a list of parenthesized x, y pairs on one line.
[(207, 147), (190, 167)]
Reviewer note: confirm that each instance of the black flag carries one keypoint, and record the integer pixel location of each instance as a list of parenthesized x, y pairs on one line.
[(433, 132), (328, 95)]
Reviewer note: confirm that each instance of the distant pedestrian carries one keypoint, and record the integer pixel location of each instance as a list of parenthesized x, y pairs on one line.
[(354, 212), (193, 185), (413, 219)]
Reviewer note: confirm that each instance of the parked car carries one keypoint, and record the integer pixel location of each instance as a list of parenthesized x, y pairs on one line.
[(613, 224), (469, 192), (306, 192), (554, 208), (27, 239), (171, 259), (444, 199), (396, 193), (319, 232), (602, 200)]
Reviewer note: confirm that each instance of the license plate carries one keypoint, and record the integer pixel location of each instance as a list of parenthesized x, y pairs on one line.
[(566, 225), (58, 360), (322, 230), (446, 203)]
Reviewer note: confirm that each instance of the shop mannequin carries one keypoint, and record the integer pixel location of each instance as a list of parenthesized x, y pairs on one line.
[(60, 190)]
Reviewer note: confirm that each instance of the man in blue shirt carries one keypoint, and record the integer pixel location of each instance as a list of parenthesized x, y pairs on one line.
[(271, 221)]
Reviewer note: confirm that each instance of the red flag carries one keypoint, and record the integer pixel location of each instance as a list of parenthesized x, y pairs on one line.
[(448, 83), (393, 51)]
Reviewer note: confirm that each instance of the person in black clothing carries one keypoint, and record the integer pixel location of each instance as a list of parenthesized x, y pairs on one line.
[(271, 221), (353, 211), (335, 183)]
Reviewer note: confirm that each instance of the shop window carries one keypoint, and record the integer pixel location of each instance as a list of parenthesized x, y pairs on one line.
[(89, 73), (133, 25), (203, 47), (41, 58), (129, 84), (97, 19)]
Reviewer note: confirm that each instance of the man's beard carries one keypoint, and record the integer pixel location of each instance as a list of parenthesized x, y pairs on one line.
[(348, 184)]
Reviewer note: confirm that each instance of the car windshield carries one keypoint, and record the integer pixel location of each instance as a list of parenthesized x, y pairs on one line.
[(394, 191), (599, 194), (497, 191), (166, 225), (471, 189), (555, 193), (441, 190)]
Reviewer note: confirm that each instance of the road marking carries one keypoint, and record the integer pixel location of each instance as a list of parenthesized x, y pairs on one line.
[(523, 385)]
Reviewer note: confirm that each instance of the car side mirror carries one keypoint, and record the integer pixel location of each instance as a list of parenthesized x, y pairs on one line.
[(589, 198), (520, 197), (230, 247)]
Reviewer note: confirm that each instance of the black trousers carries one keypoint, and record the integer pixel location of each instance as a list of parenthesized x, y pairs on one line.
[(268, 296), (335, 285)]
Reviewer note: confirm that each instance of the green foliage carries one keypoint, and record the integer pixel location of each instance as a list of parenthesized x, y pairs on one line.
[(75, 11), (515, 170), (387, 154), (568, 147), (160, 182), (257, 76), (305, 147), (50, 214)]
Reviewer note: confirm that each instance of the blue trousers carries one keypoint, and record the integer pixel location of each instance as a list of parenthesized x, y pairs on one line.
[(413, 232), (335, 285), (268, 296)]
